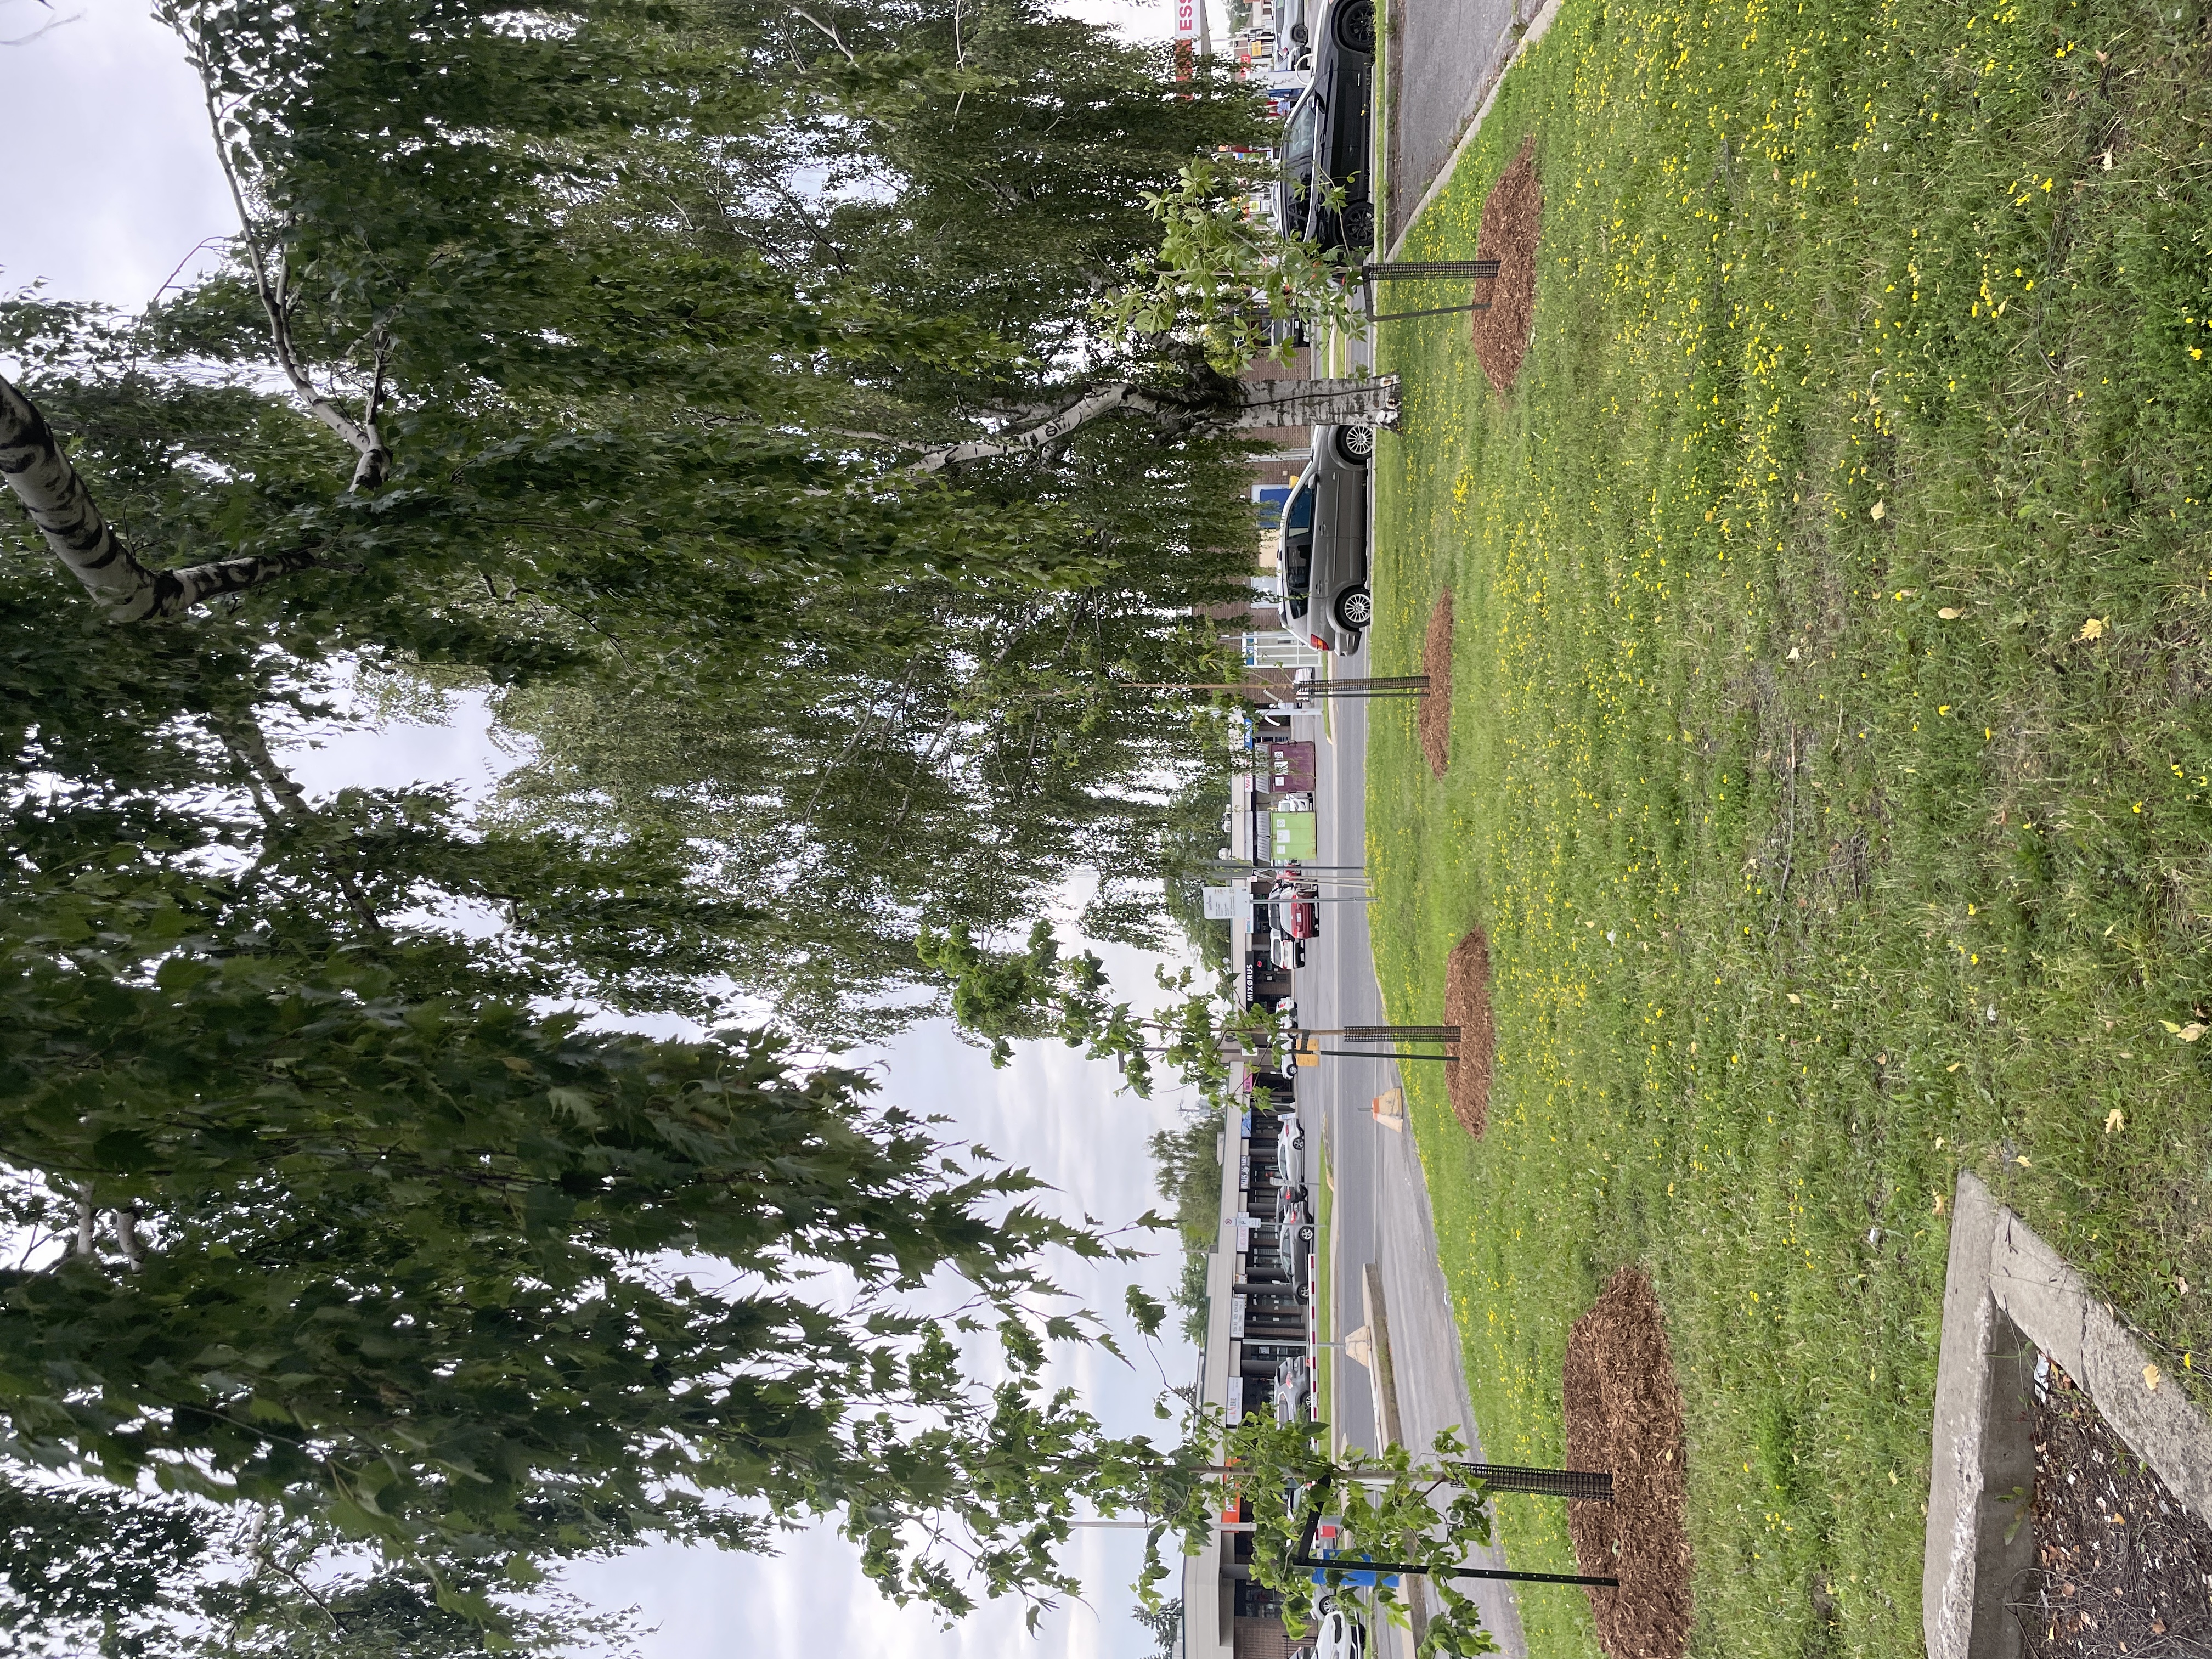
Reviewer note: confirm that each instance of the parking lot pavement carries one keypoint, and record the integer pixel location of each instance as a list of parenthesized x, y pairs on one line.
[(1381, 1209), (1442, 58)]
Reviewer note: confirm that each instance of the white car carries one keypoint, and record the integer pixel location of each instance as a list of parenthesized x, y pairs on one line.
[(1338, 1633), (1290, 1156)]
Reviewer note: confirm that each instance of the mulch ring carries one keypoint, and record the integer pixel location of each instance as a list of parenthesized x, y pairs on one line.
[(1434, 721), (1467, 1005), (1511, 218), (1624, 1414), (2120, 1566)]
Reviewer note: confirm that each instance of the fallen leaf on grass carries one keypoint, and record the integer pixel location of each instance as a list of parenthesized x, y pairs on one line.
[(2091, 630), (1879, 510), (1950, 613), (2115, 1120), (2188, 1033)]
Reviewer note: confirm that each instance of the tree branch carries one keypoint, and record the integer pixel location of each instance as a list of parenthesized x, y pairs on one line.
[(836, 38), (61, 507), (1106, 401), (249, 748), (1259, 403), (373, 460)]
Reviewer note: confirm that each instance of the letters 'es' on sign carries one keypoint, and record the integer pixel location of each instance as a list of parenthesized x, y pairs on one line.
[(1186, 18)]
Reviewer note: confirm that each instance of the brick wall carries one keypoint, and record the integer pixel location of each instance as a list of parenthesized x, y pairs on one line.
[(1260, 1638)]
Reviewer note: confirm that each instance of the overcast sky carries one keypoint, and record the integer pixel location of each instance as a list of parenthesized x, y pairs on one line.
[(128, 196)]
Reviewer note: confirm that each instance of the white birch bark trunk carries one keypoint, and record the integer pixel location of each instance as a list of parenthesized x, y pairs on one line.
[(1262, 403), (1319, 403), (61, 507)]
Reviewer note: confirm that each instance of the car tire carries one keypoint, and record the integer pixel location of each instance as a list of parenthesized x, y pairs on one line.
[(1354, 26), (1298, 1139), (1358, 226), (1355, 609), (1306, 1234), (1300, 33), (1355, 445)]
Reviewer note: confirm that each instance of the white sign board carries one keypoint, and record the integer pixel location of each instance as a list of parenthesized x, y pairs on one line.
[(1221, 904)]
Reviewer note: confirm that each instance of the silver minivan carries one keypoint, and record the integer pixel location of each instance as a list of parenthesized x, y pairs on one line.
[(1321, 572)]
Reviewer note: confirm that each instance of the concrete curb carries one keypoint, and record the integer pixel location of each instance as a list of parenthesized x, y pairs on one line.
[(2009, 1298)]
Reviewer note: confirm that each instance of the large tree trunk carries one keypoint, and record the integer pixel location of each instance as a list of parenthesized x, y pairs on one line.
[(1261, 404), (1372, 402), (61, 507)]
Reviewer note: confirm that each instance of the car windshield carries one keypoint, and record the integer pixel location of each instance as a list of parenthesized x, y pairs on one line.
[(1298, 140), (1298, 512)]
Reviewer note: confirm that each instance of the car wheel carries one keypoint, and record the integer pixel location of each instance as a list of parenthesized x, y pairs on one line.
[(1305, 1235), (1358, 223), (1355, 445), (1355, 27), (1298, 1139), (1355, 609), (1300, 33)]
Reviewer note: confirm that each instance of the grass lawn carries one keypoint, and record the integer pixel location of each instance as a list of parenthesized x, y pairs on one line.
[(1831, 756)]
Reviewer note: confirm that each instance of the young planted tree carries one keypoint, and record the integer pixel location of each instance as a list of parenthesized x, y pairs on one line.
[(1386, 1512)]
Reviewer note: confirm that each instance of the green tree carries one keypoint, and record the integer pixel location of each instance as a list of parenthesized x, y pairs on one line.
[(1224, 280), (330, 1218), (127, 1576), (1429, 1511)]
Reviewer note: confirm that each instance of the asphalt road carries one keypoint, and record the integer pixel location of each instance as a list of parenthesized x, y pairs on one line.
[(1443, 57), (1380, 1211)]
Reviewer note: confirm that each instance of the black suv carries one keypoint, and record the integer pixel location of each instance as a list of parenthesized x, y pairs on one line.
[(1328, 139)]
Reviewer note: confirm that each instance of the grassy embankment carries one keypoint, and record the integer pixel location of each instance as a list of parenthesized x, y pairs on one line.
[(1832, 767)]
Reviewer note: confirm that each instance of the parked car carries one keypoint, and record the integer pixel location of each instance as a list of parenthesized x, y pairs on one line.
[(1295, 911), (1294, 1245), (1321, 574), (1293, 1390), (1285, 951), (1291, 1156), (1326, 139), (1340, 1634)]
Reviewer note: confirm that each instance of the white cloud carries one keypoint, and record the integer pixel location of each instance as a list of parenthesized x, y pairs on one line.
[(128, 184)]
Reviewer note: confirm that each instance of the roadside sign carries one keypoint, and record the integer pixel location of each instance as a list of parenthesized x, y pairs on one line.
[(1285, 767), (1291, 837), (1221, 904)]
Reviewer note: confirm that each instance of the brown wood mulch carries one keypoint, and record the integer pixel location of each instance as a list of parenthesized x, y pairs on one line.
[(2121, 1567), (1434, 721), (1511, 219), (1467, 1005), (1624, 1413)]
